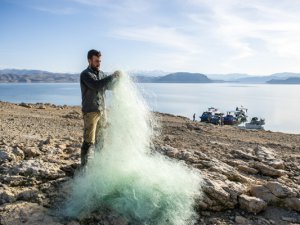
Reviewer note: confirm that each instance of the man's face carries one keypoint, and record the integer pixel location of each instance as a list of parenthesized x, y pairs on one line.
[(95, 62)]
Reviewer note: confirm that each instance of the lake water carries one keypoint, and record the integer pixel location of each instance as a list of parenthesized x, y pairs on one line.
[(278, 104)]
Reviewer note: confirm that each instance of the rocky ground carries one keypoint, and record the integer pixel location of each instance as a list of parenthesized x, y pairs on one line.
[(251, 177)]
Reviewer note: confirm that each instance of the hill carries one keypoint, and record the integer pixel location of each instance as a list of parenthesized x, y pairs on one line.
[(291, 80)]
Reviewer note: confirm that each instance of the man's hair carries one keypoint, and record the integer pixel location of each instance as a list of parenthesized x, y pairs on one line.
[(93, 52)]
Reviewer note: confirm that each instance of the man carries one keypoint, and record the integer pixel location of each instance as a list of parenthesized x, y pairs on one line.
[(93, 84)]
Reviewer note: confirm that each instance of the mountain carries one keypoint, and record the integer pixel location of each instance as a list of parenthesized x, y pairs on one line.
[(178, 77), (154, 76), (147, 73), (285, 75), (290, 80), (227, 77), (184, 77), (36, 76), (266, 78), (144, 79)]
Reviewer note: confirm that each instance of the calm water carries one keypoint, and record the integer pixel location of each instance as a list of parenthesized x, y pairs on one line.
[(278, 104)]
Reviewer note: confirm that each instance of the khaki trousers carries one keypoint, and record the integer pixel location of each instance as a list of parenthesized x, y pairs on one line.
[(94, 124)]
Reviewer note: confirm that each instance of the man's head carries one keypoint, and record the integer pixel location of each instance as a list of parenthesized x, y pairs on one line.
[(94, 58)]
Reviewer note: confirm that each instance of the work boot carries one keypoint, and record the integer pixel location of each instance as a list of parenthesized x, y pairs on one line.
[(87, 151)]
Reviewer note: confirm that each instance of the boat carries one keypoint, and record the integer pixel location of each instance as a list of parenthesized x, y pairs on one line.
[(234, 117), (208, 115), (255, 123), (217, 118), (230, 118), (241, 114)]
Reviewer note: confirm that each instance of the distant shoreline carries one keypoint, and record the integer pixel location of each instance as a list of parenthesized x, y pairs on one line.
[(39, 76), (44, 105), (225, 82)]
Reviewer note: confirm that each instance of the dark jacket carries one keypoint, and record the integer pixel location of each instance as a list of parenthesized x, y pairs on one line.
[(93, 85)]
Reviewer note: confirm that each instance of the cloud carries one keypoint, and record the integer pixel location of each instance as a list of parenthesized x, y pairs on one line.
[(62, 11), (168, 37), (254, 36)]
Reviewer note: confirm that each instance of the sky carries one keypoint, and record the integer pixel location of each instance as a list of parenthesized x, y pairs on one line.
[(257, 37)]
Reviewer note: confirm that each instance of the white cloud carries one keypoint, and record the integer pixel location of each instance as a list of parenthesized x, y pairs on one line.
[(232, 23), (214, 36), (63, 11), (168, 37)]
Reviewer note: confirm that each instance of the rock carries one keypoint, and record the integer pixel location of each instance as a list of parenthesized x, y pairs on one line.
[(18, 153), (42, 107), (31, 152), (169, 151), (242, 155), (48, 141), (252, 204), (73, 115), (6, 196), (242, 220), (25, 105), (16, 180), (61, 146), (25, 213), (247, 169), (280, 190), (201, 155), (289, 219), (6, 155), (292, 203), (237, 177), (230, 172), (215, 191), (187, 156), (29, 194), (263, 193), (39, 169), (268, 170), (277, 164), (264, 153), (167, 138), (234, 189)]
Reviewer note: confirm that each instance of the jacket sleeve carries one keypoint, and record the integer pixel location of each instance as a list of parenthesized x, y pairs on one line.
[(89, 80), (110, 85)]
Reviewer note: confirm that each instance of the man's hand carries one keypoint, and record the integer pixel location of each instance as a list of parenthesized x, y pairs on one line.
[(117, 74)]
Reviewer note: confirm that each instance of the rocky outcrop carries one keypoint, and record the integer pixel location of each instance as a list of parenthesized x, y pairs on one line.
[(246, 174)]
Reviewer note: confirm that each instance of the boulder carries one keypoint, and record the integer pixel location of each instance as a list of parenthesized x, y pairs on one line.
[(252, 204), (264, 153), (31, 152), (263, 193), (280, 190), (268, 170)]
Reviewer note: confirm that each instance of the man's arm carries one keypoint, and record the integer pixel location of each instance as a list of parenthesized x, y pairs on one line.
[(110, 85), (89, 80), (115, 75)]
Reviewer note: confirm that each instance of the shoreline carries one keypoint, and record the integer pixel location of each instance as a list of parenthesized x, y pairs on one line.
[(79, 106)]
